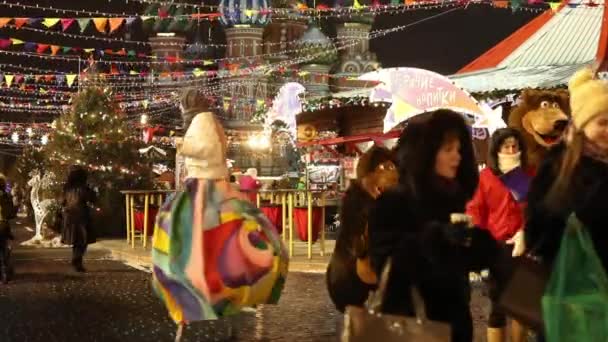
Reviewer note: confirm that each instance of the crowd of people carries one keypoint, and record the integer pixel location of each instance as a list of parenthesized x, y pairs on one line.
[(511, 210)]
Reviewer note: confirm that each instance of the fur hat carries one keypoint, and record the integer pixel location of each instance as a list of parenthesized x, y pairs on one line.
[(588, 97)]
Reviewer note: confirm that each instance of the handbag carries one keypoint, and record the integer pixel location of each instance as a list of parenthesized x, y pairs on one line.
[(521, 298), (369, 324)]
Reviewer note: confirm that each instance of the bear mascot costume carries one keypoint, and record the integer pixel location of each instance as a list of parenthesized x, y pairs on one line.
[(349, 275), (541, 117)]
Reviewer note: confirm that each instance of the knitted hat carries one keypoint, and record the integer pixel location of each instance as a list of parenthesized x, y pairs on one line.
[(588, 97)]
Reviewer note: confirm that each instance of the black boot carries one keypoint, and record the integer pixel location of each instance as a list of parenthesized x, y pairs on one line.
[(77, 256)]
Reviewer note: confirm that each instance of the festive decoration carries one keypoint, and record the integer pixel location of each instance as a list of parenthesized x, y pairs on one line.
[(106, 150), (286, 106), (413, 91), (42, 207)]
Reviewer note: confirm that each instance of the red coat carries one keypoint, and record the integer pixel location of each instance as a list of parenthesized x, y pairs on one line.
[(493, 207)]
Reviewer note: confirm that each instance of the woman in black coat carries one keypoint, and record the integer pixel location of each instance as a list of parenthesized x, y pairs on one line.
[(77, 228), (412, 224)]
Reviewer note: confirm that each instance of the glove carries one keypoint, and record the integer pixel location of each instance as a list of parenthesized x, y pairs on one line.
[(519, 243)]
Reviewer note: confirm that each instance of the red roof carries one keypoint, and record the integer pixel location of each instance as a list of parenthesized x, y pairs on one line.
[(493, 57)]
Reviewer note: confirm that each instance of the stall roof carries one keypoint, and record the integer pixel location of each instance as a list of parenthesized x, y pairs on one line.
[(354, 139)]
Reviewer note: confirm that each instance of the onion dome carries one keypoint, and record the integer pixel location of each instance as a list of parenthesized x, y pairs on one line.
[(315, 43), (244, 12)]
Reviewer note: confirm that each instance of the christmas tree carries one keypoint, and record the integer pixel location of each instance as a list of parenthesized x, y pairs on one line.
[(95, 134)]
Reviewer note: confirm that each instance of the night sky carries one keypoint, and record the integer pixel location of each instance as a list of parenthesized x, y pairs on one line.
[(443, 44)]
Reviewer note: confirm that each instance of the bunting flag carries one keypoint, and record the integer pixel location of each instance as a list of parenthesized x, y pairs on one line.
[(515, 4), (146, 17), (100, 24), (55, 49), (66, 49), (70, 79), (115, 23), (357, 5), (66, 23), (88, 50), (83, 23), (208, 62), (9, 80), (50, 22), (42, 48), (4, 21), (198, 72), (60, 78), (554, 5), (501, 3), (5, 44), (16, 41), (130, 21), (19, 22)]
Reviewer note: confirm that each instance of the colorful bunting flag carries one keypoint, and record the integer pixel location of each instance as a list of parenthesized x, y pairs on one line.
[(554, 5), (501, 3), (131, 20), (50, 22), (66, 49), (357, 5), (66, 23), (115, 23), (197, 72), (70, 79), (19, 22), (100, 24), (5, 44), (42, 48), (208, 62), (16, 41), (89, 50), (9, 80), (83, 23), (515, 4), (55, 49), (60, 78), (4, 21)]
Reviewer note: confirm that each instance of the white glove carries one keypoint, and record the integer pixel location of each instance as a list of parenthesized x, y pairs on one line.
[(519, 243)]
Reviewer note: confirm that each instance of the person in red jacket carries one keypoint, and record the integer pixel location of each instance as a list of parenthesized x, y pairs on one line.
[(498, 205)]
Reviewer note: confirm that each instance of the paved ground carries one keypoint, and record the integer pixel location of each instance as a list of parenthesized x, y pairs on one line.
[(112, 302)]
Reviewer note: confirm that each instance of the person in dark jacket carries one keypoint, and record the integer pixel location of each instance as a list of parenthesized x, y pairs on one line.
[(413, 224), (349, 275), (574, 175), (7, 213), (498, 205), (77, 228)]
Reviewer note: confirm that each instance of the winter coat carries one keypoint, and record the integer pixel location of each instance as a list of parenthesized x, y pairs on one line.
[(7, 212), (407, 228), (588, 199), (343, 284), (494, 207), (77, 226)]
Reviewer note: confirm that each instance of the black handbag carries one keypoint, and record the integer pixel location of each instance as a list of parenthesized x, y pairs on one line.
[(369, 324), (521, 298)]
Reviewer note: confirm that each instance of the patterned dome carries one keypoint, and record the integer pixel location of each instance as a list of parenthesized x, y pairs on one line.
[(244, 12), (315, 43)]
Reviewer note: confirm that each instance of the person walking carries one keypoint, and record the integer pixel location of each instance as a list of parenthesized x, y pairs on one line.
[(498, 205), (574, 176), (414, 224), (77, 229)]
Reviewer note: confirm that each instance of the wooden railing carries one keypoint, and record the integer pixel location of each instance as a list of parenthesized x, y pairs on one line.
[(155, 197)]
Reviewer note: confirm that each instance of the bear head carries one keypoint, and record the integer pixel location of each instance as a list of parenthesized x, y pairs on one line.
[(541, 116)]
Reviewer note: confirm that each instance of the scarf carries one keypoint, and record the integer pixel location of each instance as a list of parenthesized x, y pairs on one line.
[(591, 150), (518, 182), (508, 162)]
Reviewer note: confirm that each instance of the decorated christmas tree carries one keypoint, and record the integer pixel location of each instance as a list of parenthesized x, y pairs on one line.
[(95, 134)]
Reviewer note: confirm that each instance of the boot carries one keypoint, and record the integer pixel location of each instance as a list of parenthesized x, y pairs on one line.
[(519, 333), (77, 264), (496, 334)]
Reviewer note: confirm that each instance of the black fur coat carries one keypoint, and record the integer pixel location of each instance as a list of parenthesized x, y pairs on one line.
[(409, 229), (588, 198), (343, 284)]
